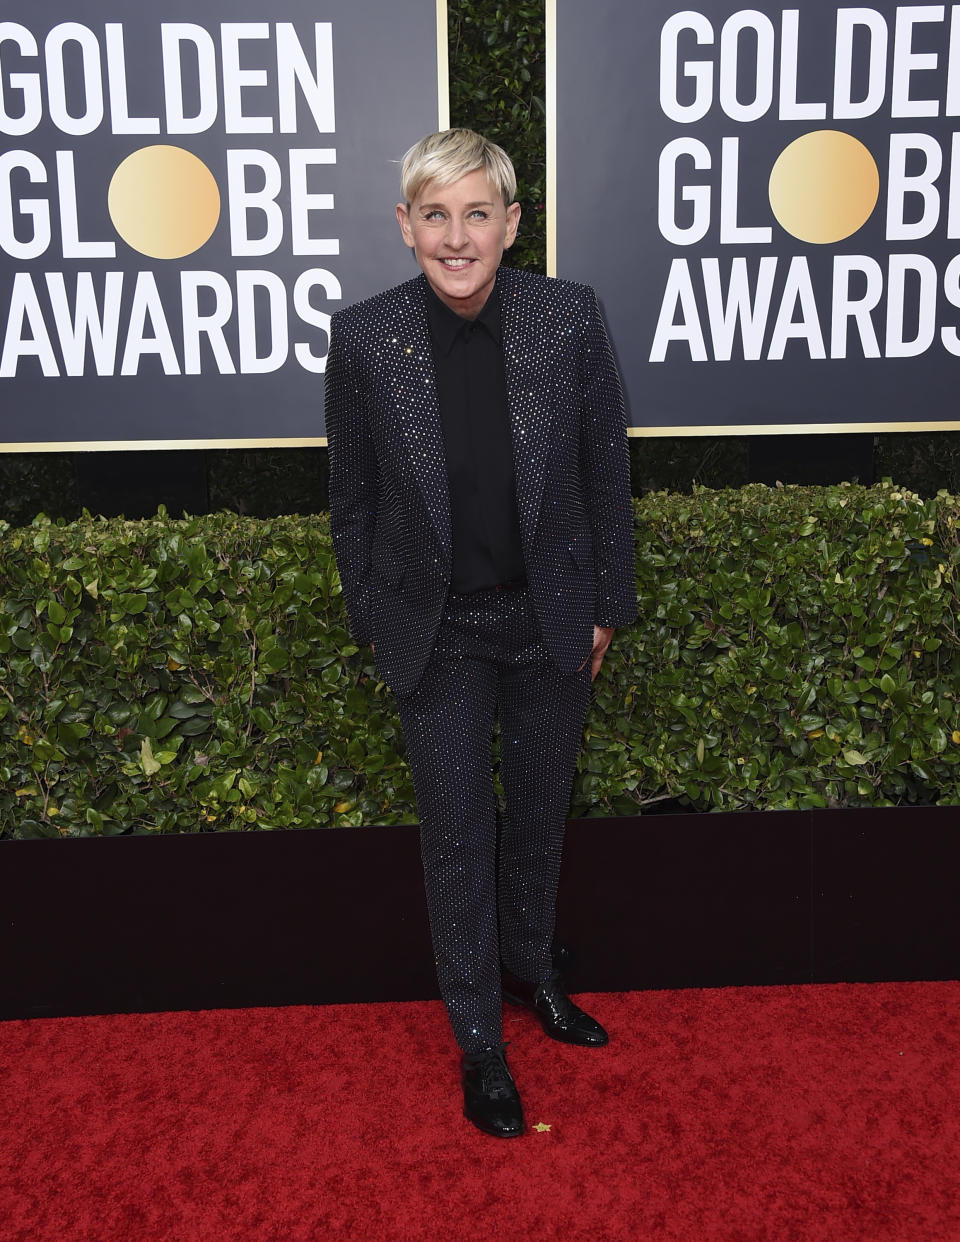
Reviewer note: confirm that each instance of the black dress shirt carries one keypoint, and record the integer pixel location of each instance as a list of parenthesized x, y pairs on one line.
[(472, 394)]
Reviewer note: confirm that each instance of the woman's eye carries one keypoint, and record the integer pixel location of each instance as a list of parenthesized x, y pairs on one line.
[(436, 216)]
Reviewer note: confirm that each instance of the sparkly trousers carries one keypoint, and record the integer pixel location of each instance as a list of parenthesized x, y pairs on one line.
[(487, 902)]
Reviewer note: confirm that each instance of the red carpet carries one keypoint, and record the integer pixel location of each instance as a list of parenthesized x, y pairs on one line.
[(741, 1115)]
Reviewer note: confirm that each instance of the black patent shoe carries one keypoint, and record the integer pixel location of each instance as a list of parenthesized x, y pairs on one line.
[(490, 1097), (559, 1016)]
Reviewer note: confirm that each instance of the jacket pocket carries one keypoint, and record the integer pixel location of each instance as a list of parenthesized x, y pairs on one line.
[(581, 551)]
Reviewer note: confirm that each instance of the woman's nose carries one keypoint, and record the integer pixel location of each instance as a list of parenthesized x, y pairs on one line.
[(456, 233)]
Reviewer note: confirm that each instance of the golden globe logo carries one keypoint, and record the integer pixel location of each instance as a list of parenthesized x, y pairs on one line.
[(163, 201), (823, 186)]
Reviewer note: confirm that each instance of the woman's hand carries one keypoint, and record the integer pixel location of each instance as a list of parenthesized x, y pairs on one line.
[(602, 634)]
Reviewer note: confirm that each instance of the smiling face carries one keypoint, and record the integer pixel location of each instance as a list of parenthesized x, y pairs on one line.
[(458, 233)]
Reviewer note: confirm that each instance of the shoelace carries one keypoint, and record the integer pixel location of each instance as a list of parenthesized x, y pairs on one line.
[(492, 1065)]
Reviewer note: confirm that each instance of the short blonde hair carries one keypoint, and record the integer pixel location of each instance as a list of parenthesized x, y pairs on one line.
[(447, 156)]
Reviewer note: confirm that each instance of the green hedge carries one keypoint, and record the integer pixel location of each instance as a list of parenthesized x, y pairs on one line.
[(796, 647), (186, 676)]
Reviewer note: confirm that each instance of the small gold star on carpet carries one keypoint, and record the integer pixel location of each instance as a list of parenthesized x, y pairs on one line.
[(541, 1127)]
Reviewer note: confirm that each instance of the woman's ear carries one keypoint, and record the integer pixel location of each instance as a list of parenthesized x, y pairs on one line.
[(403, 219), (513, 221)]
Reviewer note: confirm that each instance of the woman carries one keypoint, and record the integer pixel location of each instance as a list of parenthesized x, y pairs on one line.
[(481, 520)]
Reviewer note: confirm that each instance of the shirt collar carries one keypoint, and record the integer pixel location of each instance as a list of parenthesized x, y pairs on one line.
[(446, 325)]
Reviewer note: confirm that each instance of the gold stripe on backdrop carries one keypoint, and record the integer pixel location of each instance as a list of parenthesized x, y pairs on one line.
[(789, 429), (443, 67), (124, 446), (743, 429), (551, 104)]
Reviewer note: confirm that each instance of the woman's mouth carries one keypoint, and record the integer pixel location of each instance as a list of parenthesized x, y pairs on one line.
[(456, 265)]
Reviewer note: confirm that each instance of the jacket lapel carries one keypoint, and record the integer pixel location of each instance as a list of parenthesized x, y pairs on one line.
[(529, 400), (415, 404)]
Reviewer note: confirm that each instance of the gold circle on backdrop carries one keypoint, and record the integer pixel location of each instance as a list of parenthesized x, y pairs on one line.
[(824, 186), (164, 202)]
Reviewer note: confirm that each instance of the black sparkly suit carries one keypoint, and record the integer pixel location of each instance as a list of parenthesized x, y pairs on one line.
[(453, 660)]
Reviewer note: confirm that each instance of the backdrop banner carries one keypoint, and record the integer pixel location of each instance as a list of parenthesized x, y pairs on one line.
[(185, 200), (767, 201)]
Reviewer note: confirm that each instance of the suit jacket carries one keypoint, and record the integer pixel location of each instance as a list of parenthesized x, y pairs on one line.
[(389, 500)]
